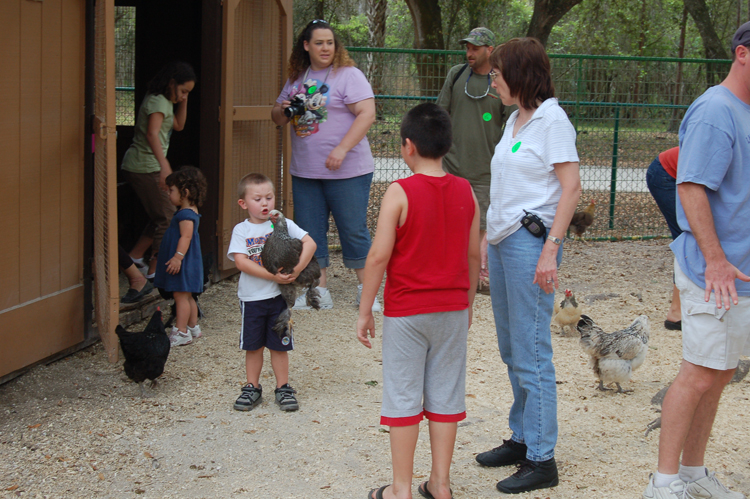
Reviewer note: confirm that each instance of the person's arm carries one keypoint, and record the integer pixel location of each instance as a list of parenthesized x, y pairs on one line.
[(570, 181), (248, 266), (180, 115), (183, 245), (364, 112), (444, 98), (394, 202), (155, 121), (720, 274), (474, 258)]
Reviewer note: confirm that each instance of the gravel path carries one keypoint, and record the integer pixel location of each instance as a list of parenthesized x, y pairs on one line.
[(78, 427)]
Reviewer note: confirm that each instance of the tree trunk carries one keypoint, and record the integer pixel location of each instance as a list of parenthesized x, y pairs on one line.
[(376, 10), (428, 34), (674, 124), (546, 14), (712, 45)]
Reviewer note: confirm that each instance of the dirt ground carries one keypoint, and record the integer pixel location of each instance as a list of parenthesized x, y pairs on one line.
[(78, 427)]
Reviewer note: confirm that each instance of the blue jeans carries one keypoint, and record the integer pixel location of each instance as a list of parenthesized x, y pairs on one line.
[(316, 199), (523, 312), (664, 190)]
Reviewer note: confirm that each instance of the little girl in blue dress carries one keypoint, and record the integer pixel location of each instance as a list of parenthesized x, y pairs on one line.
[(179, 268)]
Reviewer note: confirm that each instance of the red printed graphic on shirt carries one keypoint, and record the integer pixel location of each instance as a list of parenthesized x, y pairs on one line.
[(255, 247)]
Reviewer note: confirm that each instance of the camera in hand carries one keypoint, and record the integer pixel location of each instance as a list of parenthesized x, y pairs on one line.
[(296, 107)]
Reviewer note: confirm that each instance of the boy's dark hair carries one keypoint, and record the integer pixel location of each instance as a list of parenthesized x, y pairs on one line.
[(180, 72), (525, 67), (428, 126), (251, 179), (190, 179)]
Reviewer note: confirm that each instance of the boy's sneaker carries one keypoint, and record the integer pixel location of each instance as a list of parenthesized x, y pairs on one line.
[(531, 475), (674, 490), (195, 332), (285, 398), (326, 302), (511, 452), (709, 487), (249, 398), (375, 304), (178, 338)]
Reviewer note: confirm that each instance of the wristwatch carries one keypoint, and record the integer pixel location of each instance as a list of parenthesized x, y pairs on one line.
[(555, 240)]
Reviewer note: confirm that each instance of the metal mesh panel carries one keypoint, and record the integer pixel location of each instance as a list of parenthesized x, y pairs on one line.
[(626, 111), (125, 65), (256, 70)]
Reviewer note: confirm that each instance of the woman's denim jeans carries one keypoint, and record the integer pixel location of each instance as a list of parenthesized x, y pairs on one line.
[(346, 199), (522, 318), (664, 190)]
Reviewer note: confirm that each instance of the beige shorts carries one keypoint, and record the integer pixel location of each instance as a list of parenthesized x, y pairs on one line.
[(711, 337), (482, 192)]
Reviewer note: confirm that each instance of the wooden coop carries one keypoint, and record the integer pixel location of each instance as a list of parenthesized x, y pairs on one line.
[(61, 144)]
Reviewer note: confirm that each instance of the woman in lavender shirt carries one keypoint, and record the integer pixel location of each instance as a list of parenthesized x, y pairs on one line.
[(331, 164)]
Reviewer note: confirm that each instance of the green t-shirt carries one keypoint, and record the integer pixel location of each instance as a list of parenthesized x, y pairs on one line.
[(477, 125), (139, 158)]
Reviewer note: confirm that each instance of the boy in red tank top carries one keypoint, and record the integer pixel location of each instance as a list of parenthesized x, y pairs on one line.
[(428, 240)]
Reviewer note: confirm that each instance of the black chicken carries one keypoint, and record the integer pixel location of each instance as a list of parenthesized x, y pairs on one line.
[(145, 352), (280, 254)]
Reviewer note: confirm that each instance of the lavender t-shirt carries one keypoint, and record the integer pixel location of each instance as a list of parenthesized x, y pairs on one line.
[(326, 121)]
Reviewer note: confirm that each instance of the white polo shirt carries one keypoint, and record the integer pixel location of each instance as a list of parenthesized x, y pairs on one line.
[(523, 175)]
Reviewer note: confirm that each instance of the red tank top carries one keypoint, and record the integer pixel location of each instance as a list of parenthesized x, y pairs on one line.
[(429, 268), (668, 160)]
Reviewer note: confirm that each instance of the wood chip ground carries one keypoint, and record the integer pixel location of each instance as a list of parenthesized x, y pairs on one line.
[(78, 428)]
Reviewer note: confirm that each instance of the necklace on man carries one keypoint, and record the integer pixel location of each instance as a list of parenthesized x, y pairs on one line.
[(476, 97)]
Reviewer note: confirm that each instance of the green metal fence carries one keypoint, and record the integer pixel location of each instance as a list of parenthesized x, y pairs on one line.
[(125, 65), (626, 111)]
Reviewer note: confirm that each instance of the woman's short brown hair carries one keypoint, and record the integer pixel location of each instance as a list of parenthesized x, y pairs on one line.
[(525, 67)]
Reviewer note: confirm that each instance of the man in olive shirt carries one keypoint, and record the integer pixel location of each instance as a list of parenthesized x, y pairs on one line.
[(477, 115)]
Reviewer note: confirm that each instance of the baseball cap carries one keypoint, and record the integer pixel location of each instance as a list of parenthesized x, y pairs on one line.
[(479, 37), (741, 36)]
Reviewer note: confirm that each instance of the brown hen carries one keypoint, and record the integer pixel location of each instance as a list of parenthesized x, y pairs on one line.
[(582, 220)]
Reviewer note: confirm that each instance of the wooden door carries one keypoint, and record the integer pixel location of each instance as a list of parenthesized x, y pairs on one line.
[(257, 42), (42, 59), (106, 273)]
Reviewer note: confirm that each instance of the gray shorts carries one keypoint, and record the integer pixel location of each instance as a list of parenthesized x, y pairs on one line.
[(711, 337), (424, 356), (482, 192)]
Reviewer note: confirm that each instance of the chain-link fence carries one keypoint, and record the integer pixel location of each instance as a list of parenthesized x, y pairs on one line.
[(125, 65), (626, 111)]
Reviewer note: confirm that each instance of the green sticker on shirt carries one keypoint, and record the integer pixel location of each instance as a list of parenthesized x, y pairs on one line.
[(516, 147), (486, 116), (312, 90)]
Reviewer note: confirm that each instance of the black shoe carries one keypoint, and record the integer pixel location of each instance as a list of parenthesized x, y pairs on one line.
[(531, 475), (133, 296), (249, 398), (673, 325), (511, 452), (285, 398)]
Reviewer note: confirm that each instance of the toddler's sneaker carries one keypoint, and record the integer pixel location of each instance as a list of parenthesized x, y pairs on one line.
[(326, 302), (178, 338), (674, 490), (249, 398), (285, 398), (375, 304), (195, 332), (710, 487)]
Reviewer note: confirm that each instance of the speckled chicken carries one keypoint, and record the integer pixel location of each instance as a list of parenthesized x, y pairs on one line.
[(280, 254), (615, 355), (568, 311), (145, 351)]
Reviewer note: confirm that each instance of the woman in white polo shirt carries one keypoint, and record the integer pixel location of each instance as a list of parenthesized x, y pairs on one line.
[(534, 173)]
